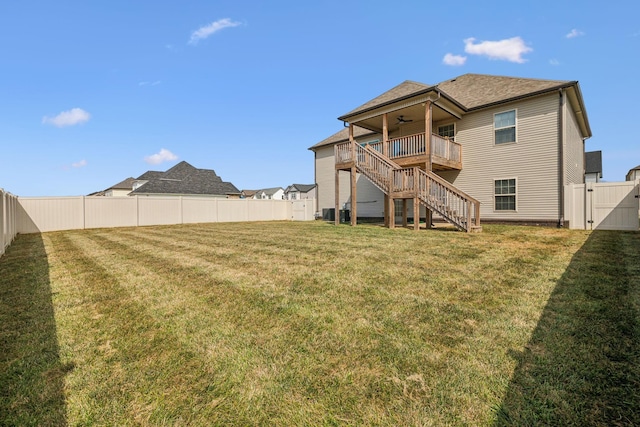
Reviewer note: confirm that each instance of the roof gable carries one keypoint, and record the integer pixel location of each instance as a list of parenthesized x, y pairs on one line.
[(303, 188), (402, 90)]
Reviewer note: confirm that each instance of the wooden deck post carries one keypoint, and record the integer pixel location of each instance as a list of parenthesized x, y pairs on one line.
[(354, 176), (336, 220), (354, 198), (416, 200), (392, 212), (385, 134), (386, 210), (428, 129)]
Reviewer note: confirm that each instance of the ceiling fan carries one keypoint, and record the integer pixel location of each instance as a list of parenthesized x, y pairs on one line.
[(402, 120)]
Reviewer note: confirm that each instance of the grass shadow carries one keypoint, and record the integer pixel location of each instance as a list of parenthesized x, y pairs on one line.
[(31, 373), (582, 363)]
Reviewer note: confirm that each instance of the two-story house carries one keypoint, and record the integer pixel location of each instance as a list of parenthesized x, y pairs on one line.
[(475, 146), (300, 191)]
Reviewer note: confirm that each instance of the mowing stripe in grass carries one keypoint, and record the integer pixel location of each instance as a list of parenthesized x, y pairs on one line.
[(321, 325), (143, 353)]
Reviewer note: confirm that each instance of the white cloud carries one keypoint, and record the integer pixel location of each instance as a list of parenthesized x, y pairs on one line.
[(82, 163), (208, 30), (574, 33), (163, 156), (455, 60), (554, 62), (68, 118), (507, 50), (157, 82)]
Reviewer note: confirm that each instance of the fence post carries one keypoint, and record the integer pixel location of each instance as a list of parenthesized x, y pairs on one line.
[(1, 221)]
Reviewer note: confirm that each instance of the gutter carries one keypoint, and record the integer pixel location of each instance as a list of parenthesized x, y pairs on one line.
[(560, 158)]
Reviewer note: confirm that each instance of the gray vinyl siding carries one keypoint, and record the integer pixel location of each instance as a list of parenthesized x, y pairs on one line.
[(532, 160), (573, 149)]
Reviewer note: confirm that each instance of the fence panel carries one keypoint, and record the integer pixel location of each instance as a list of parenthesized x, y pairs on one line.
[(103, 212), (50, 214), (199, 209), (8, 216), (44, 214), (159, 210), (603, 206)]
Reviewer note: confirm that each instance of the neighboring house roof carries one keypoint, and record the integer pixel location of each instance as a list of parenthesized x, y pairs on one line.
[(270, 191), (303, 188), (127, 184), (184, 179), (150, 175), (593, 162), (628, 177), (249, 193)]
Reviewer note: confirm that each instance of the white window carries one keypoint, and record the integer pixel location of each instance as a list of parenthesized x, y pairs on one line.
[(293, 195), (505, 194), (447, 131), (504, 126)]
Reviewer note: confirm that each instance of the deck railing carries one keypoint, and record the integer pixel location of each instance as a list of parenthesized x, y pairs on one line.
[(413, 145), (439, 195), (433, 191)]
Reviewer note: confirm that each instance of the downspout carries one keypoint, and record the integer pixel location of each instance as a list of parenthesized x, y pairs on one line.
[(560, 159)]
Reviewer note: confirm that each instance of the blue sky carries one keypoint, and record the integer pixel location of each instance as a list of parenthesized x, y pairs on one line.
[(93, 92)]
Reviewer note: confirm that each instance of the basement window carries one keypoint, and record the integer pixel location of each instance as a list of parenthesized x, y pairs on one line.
[(505, 194), (504, 126)]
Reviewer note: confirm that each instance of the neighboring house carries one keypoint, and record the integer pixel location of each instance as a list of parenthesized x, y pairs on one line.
[(248, 194), (121, 189), (500, 148), (633, 174), (300, 191), (593, 166), (183, 179), (276, 193)]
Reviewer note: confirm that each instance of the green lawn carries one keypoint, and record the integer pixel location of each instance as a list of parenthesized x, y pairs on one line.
[(311, 324)]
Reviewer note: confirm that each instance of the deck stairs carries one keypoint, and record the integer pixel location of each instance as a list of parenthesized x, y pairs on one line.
[(432, 191)]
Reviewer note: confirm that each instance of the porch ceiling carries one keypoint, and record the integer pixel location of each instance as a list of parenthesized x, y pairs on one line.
[(415, 113)]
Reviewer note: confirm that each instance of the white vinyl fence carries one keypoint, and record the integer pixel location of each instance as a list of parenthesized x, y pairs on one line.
[(41, 214), (603, 205), (8, 216)]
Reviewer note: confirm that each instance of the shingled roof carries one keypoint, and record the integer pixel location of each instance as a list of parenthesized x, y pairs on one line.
[(470, 91), (184, 179), (593, 162), (303, 188), (343, 135), (126, 184), (475, 91)]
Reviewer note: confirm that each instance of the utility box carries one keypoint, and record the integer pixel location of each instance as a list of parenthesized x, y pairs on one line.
[(329, 214)]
